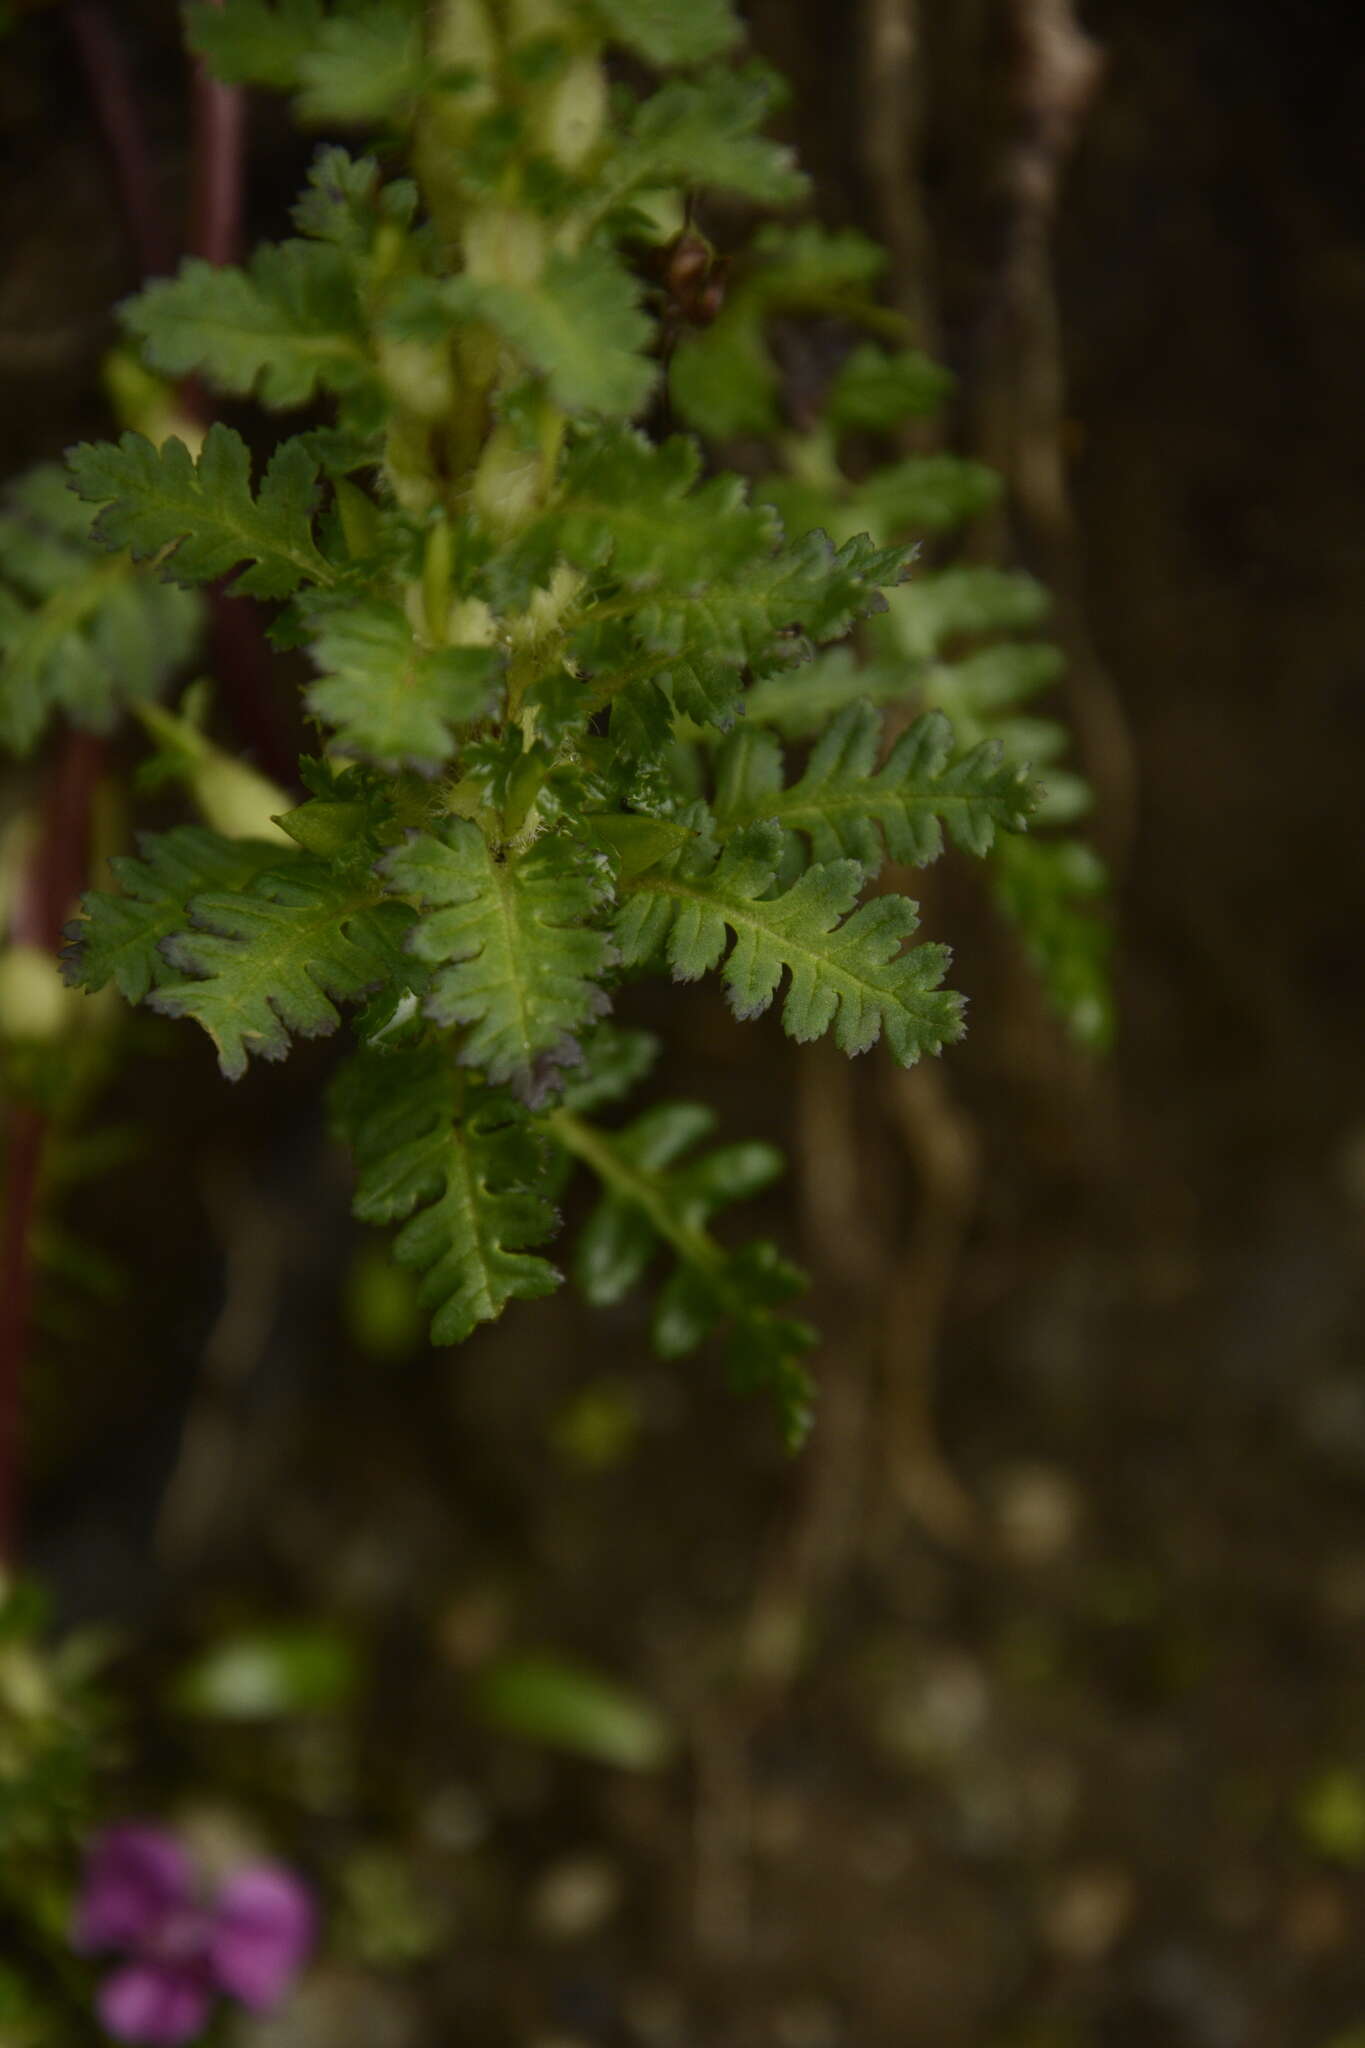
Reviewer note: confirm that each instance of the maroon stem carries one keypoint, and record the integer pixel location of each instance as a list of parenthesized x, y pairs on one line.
[(219, 156), (56, 869), (113, 93), (240, 653), (23, 1160), (47, 890)]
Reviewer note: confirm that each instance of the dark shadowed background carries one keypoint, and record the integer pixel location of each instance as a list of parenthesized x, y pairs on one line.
[(1027, 1708)]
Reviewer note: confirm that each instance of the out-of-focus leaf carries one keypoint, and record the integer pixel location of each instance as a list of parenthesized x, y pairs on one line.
[(269, 1673), (1331, 1815), (545, 1699)]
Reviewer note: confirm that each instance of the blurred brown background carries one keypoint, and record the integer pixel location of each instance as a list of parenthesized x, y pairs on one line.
[(1026, 1710)]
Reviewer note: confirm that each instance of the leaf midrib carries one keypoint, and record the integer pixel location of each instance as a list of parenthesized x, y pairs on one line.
[(738, 913), (868, 802)]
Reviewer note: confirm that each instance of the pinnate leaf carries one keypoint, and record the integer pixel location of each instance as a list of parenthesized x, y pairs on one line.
[(282, 328), (952, 604), (1052, 891), (161, 498), (722, 379), (634, 506), (763, 616), (926, 494), (254, 42), (509, 937), (874, 391), (365, 65), (81, 633), (847, 973), (346, 199), (705, 131), (654, 1196), (118, 937), (807, 263), (387, 696), (274, 959), (671, 31), (619, 1241), (845, 803), (980, 686), (579, 324), (460, 1167), (359, 61), (800, 702)]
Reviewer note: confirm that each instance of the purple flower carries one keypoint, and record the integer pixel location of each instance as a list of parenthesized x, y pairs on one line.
[(183, 1949)]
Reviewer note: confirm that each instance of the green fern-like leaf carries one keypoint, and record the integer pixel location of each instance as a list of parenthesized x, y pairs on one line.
[(875, 391), (280, 329), (653, 1195), (847, 972), (365, 67), (154, 499), (459, 1166), (705, 131), (514, 955), (925, 494), (254, 42), (980, 687), (952, 604), (274, 959), (980, 693), (596, 768), (388, 697), (615, 1061), (1052, 891), (118, 937), (723, 380), (795, 266), (81, 633), (698, 642), (579, 324), (347, 199), (666, 33), (357, 62), (800, 702), (633, 506), (846, 804)]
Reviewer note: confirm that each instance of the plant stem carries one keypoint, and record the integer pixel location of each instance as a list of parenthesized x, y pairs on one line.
[(49, 885), (621, 1174), (23, 1160), (113, 93), (56, 868), (239, 653), (219, 157)]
